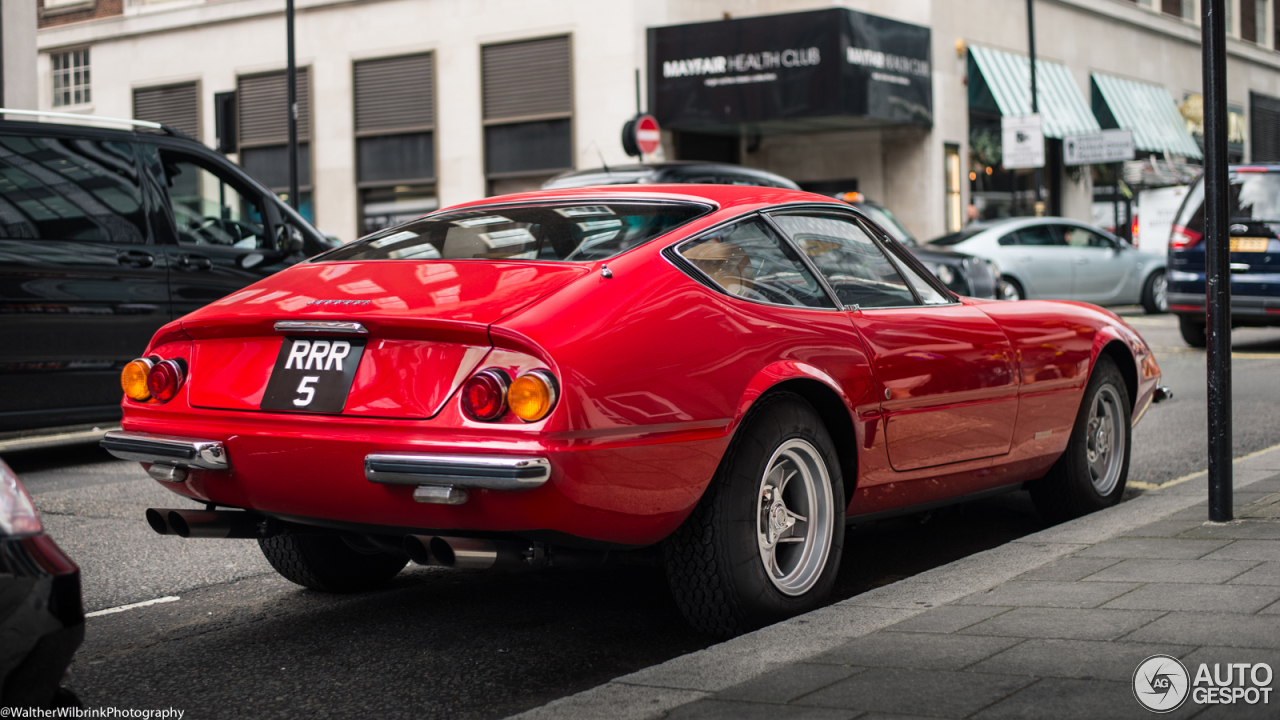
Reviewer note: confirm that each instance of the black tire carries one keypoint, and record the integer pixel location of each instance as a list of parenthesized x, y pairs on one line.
[(1155, 294), (1075, 486), (715, 562), (1009, 289), (328, 563), (1194, 332)]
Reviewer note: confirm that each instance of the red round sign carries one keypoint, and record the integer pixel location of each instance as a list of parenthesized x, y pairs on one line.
[(648, 136)]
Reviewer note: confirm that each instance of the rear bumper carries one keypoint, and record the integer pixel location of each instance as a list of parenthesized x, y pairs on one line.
[(1262, 309), (627, 486)]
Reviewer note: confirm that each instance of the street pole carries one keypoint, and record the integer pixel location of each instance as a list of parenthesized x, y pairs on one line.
[(1035, 103), (1217, 258), (293, 110)]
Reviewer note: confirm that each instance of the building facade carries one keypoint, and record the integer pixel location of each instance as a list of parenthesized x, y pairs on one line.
[(406, 105)]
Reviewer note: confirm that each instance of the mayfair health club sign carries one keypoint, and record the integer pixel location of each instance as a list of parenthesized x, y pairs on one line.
[(825, 69)]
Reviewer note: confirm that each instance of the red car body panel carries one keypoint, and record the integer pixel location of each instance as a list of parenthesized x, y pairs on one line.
[(657, 371)]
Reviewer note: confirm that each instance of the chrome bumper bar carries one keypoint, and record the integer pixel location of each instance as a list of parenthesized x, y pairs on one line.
[(167, 450), (482, 472)]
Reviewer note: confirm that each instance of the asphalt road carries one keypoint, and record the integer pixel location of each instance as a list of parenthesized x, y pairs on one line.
[(242, 642)]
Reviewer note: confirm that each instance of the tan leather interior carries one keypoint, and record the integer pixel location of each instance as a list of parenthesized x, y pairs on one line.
[(726, 264)]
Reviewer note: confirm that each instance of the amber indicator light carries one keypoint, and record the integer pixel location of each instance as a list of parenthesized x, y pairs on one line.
[(532, 395), (134, 380)]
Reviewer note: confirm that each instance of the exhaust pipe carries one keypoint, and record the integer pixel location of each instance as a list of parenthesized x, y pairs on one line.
[(465, 553), (206, 523)]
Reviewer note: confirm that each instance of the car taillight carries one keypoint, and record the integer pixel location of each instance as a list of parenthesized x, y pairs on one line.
[(1183, 238), (17, 514), (164, 380), (532, 395), (145, 379), (134, 379), (1133, 228), (484, 395)]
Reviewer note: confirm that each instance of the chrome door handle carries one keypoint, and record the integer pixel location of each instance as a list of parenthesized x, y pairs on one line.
[(195, 262), (135, 259), (1239, 267)]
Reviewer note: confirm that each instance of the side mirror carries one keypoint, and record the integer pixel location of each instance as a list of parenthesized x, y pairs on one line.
[(289, 239)]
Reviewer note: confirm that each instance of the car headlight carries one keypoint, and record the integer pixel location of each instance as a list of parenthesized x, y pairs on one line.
[(17, 514)]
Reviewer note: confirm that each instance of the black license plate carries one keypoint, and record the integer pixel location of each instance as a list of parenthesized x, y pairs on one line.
[(313, 375)]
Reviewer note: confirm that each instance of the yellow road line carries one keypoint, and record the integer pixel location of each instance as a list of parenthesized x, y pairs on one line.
[(1178, 481)]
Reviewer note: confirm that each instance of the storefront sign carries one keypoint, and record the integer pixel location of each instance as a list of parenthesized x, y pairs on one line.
[(811, 70), (1108, 146), (1022, 143)]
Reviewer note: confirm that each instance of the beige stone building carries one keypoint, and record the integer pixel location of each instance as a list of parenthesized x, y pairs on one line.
[(406, 105)]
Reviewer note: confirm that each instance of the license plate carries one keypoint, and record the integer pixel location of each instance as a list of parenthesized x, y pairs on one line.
[(313, 375), (1246, 244)]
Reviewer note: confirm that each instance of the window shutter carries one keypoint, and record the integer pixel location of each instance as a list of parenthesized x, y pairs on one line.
[(264, 101), (527, 79), (394, 94), (1264, 127), (177, 106)]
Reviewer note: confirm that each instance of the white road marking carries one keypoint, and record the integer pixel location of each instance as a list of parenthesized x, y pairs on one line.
[(122, 608)]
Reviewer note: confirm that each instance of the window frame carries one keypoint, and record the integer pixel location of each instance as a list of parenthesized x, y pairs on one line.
[(69, 72), (270, 223)]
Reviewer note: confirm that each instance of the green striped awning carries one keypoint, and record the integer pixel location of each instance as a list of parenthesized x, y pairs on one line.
[(1007, 79), (1148, 110)]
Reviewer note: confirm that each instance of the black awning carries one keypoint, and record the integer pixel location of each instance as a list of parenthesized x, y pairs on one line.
[(799, 72)]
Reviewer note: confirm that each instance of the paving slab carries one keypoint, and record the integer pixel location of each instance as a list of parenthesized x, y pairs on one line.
[(1081, 659), (731, 710), (1068, 569), (1037, 622), (1179, 571), (1267, 573), (1236, 530), (1211, 628), (1053, 698), (947, 619), (1022, 593), (1259, 550), (924, 651), (921, 692), (1165, 548), (788, 683), (1221, 598)]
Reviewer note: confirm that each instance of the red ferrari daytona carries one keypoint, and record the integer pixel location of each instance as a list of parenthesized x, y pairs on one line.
[(730, 373)]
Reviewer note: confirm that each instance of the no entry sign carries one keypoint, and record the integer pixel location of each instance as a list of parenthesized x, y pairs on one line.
[(641, 135)]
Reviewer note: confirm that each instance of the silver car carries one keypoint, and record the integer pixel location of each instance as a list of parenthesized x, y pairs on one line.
[(1064, 259)]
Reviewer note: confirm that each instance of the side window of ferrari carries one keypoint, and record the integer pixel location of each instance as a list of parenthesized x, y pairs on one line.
[(852, 263), (748, 260)]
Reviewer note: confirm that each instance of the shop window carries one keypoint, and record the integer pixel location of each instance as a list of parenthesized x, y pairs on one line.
[(262, 104), (395, 139), (528, 112), (71, 78)]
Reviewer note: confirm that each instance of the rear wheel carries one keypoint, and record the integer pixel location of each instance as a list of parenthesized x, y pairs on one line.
[(1193, 331), (1155, 293), (765, 541), (1091, 473), (1010, 289), (329, 563)]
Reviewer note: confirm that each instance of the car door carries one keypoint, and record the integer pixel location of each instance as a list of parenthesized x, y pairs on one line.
[(1101, 269), (947, 371), (82, 282), (219, 232), (1038, 256)]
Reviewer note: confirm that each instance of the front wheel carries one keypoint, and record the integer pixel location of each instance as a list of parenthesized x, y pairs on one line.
[(765, 541), (1091, 473), (330, 563), (1155, 294), (1009, 289)]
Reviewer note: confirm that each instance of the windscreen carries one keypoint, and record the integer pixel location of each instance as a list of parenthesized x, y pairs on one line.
[(579, 232), (1254, 198), (956, 238)]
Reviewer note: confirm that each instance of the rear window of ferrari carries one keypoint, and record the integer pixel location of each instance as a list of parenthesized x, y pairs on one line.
[(569, 232)]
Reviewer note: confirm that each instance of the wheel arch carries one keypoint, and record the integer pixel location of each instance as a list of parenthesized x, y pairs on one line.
[(1119, 353)]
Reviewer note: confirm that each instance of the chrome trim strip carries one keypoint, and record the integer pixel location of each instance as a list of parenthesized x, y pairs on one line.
[(488, 472), (321, 326), (167, 450), (78, 116)]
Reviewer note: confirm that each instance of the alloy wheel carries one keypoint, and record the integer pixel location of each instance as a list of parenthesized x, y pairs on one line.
[(795, 515)]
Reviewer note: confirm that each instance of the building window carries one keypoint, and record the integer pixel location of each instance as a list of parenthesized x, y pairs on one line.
[(395, 139), (177, 106), (263, 107), (71, 78), (955, 219), (528, 112)]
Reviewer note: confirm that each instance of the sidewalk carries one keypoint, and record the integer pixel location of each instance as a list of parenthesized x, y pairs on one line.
[(1051, 625)]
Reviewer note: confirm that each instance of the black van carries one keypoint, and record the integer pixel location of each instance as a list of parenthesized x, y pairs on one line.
[(1254, 227), (105, 235)]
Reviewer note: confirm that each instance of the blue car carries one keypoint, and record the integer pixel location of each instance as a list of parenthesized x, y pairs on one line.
[(1254, 226)]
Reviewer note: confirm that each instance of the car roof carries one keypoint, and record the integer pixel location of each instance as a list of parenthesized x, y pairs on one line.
[(724, 197), (669, 170)]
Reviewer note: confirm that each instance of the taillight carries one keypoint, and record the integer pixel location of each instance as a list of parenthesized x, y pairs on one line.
[(1133, 229), (164, 380), (134, 379), (1183, 238), (532, 395), (484, 395), (144, 380)]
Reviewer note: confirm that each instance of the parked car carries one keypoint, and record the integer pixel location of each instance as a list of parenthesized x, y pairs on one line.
[(107, 234), (1064, 259), (1254, 207), (962, 273), (41, 616), (733, 373), (684, 171)]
